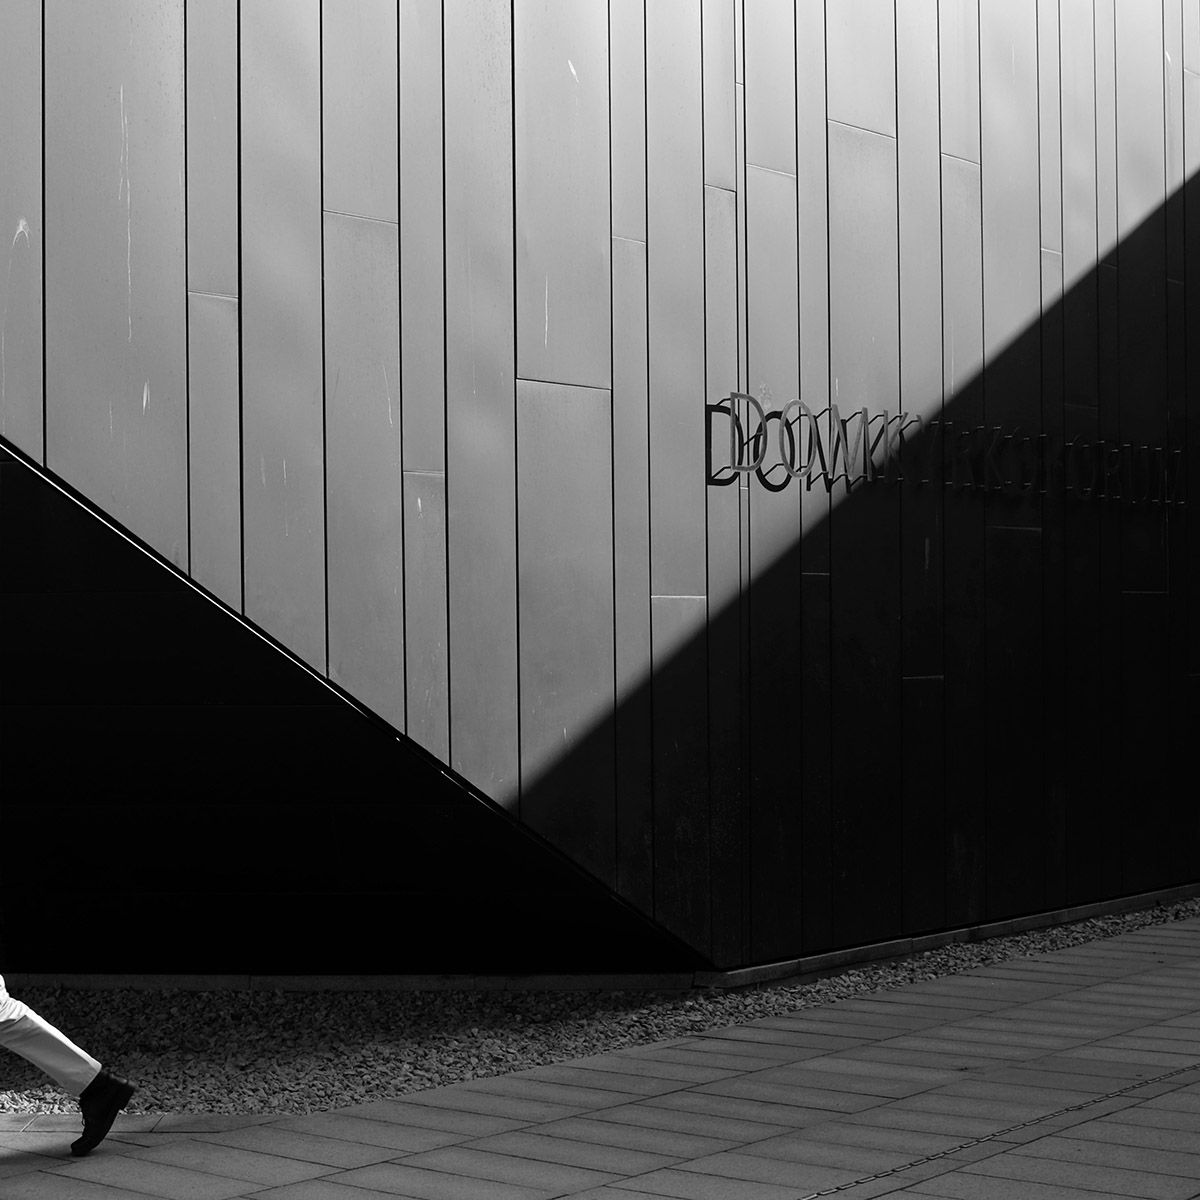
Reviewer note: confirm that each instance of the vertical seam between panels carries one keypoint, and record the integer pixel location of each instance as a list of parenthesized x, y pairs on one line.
[(899, 405), (445, 399), (828, 505), (45, 390), (612, 473), (324, 412), (983, 399), (241, 365), (940, 506), (799, 551), (187, 307), (649, 438), (704, 373), (400, 406), (516, 458)]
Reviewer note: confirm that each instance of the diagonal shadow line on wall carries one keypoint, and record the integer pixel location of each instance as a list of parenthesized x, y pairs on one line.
[(945, 704)]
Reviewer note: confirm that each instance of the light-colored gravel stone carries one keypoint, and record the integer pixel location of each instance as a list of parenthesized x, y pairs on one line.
[(301, 1052)]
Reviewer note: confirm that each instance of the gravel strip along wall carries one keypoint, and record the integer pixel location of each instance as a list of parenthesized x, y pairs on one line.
[(302, 1052)]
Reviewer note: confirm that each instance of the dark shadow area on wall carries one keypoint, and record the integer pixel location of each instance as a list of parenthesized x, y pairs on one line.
[(954, 702), (179, 796)]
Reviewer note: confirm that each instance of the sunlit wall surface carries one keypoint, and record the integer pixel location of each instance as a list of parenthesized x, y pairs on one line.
[(393, 324)]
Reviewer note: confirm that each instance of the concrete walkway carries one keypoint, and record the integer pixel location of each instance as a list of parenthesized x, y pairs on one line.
[(1073, 1074)]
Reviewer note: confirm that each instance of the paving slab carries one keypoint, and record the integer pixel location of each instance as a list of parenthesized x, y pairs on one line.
[(1070, 1075)]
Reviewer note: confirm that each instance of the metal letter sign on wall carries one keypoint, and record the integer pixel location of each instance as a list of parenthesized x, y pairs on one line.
[(826, 447)]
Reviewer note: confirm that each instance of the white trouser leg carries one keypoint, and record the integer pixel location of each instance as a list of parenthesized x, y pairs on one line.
[(23, 1031)]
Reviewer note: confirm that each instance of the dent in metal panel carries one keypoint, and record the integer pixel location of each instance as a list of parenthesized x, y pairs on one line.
[(21, 226), (962, 276), (212, 150), (565, 581), (958, 24), (1078, 140), (770, 85), (627, 29), (359, 102), (861, 41), (675, 231), (774, 354), (1049, 123), (560, 59), (1106, 125), (812, 198), (282, 378), (365, 532), (720, 168), (216, 475), (631, 496), (480, 397), (918, 165), (1141, 162), (863, 270), (1009, 154), (115, 277), (422, 328), (425, 647)]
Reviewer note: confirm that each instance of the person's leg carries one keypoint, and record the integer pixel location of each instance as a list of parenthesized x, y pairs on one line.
[(101, 1095), (27, 1034)]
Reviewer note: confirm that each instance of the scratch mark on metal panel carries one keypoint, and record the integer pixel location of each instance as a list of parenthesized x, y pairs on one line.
[(388, 385), (22, 229), (145, 396), (262, 469), (546, 337), (573, 71)]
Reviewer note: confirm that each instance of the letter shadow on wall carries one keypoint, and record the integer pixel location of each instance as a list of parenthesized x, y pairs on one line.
[(966, 696)]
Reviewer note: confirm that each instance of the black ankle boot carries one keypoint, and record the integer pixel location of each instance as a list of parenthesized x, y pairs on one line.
[(100, 1102)]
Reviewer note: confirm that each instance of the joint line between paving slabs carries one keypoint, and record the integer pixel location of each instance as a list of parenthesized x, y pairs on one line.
[(917, 1162)]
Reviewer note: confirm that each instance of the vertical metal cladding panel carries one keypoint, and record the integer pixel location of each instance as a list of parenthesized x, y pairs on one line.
[(682, 838), (1079, 200), (675, 263), (631, 563), (1191, 37), (1106, 125), (770, 85), (1012, 268), (812, 199), (565, 581), (1173, 85), (212, 149), (920, 214), (480, 396), (115, 280), (865, 641), (426, 668), (720, 169), (676, 297), (560, 56), (627, 95), (1186, 435), (216, 477), (923, 758), (360, 108), (725, 668), (422, 326), (861, 40), (816, 830), (21, 226), (363, 487), (963, 648), (739, 103), (1142, 307), (958, 47), (282, 380), (1015, 771), (1049, 123), (774, 587)]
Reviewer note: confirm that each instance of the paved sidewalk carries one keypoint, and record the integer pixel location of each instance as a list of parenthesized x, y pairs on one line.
[(1073, 1075)]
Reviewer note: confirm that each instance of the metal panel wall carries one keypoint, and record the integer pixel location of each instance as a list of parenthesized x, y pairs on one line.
[(21, 212), (560, 70), (213, 216), (480, 396), (627, 94), (958, 55), (720, 102), (860, 39), (116, 421), (365, 553), (565, 578), (282, 373)]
